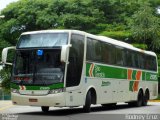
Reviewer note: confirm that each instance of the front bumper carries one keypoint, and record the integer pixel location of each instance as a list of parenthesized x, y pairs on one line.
[(45, 100)]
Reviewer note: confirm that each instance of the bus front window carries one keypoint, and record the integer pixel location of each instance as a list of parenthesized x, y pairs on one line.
[(32, 67)]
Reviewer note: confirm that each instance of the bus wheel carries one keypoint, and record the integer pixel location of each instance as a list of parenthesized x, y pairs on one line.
[(87, 106), (139, 101), (145, 98), (45, 108)]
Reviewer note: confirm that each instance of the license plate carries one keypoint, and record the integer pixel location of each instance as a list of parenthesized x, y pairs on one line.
[(33, 100)]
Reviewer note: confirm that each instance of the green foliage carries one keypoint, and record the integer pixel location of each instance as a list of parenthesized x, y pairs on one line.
[(145, 27), (141, 46), (119, 35), (5, 75)]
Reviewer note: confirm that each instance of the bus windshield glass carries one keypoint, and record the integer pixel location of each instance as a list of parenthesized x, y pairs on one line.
[(42, 40), (38, 67)]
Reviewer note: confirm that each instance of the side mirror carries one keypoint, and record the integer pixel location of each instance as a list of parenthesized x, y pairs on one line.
[(5, 53), (64, 52)]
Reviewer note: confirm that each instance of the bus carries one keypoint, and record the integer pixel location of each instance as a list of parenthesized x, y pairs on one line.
[(71, 68)]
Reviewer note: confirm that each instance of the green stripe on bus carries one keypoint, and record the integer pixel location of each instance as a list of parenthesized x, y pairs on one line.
[(104, 71), (134, 75), (151, 76), (131, 85), (143, 75), (49, 87)]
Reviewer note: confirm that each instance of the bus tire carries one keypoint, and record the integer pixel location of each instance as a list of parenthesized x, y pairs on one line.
[(87, 106), (145, 98), (45, 108), (139, 101)]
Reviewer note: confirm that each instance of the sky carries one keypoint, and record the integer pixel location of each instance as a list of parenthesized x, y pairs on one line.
[(4, 3)]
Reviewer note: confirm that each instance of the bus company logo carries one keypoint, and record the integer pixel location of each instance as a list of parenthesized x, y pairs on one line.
[(95, 71), (104, 83), (44, 88), (153, 77), (98, 72)]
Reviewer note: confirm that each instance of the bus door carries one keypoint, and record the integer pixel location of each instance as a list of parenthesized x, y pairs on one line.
[(74, 71)]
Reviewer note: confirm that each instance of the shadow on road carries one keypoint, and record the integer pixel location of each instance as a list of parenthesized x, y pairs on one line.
[(74, 111)]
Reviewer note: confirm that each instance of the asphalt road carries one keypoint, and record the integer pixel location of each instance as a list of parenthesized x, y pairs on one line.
[(120, 112)]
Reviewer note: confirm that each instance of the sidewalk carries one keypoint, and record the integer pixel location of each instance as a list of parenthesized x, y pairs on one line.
[(5, 104)]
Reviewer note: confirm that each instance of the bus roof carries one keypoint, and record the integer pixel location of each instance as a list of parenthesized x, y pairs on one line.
[(100, 38), (125, 45)]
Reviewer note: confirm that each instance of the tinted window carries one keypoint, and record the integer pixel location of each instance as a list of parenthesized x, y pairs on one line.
[(154, 64), (119, 56), (128, 58), (43, 40), (150, 63), (125, 57), (108, 53), (135, 61), (33, 68), (75, 60), (100, 51), (141, 61), (94, 50)]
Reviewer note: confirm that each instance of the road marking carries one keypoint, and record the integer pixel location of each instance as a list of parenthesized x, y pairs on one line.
[(6, 107)]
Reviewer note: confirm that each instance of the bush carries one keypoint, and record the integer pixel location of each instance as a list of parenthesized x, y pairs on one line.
[(119, 35), (5, 75), (141, 46)]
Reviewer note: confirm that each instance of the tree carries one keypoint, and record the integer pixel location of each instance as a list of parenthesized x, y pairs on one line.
[(5, 75), (145, 27)]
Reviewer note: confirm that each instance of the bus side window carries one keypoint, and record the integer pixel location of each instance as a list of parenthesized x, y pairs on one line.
[(148, 63), (154, 63), (125, 58), (151, 63), (90, 52), (135, 61), (129, 58), (105, 56), (119, 56), (141, 61)]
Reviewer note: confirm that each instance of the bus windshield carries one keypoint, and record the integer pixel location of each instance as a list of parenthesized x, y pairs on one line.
[(42, 40), (38, 67)]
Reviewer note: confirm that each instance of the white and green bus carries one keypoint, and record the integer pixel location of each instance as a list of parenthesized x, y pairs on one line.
[(74, 68)]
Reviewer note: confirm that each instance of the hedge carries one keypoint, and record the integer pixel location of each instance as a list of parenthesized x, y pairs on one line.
[(119, 35)]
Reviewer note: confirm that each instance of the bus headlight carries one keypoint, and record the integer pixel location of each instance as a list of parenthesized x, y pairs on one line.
[(55, 91), (14, 91)]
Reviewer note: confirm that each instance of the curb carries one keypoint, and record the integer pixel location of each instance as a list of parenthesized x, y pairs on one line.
[(154, 100)]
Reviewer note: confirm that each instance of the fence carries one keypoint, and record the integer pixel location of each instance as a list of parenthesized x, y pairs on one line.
[(4, 95)]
